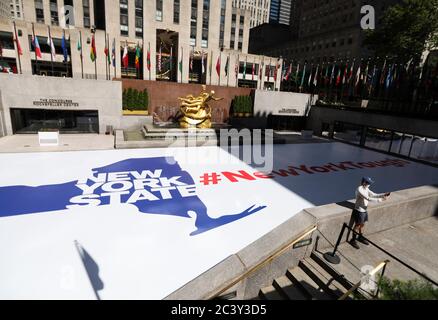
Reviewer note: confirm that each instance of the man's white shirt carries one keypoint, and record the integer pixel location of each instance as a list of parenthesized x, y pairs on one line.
[(364, 195)]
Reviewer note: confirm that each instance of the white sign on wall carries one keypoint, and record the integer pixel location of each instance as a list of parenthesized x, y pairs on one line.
[(141, 223), (282, 103)]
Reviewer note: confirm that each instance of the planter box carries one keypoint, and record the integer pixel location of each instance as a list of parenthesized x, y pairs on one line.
[(48, 138), (135, 112)]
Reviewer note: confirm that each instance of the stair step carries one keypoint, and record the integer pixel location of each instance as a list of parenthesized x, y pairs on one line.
[(288, 290), (270, 293), (323, 264), (325, 280), (300, 278)]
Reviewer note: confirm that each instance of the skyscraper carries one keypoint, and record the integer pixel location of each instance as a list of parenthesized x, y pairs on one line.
[(280, 11)]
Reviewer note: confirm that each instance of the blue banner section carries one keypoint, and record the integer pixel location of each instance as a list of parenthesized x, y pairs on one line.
[(154, 185)]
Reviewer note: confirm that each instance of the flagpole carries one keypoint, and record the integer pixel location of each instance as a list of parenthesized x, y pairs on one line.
[(16, 44), (228, 69), (82, 57), (36, 57), (149, 54), (237, 73), (51, 53), (142, 59), (170, 62), (65, 43), (210, 67), (182, 61), (114, 63), (106, 57), (220, 62), (109, 58)]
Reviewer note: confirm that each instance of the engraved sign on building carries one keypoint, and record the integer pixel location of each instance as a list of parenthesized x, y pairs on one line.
[(55, 103)]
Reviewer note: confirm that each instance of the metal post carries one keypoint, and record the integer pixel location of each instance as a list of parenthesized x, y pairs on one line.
[(381, 277), (332, 257)]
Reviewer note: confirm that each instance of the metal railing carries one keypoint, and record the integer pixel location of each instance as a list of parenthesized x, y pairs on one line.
[(274, 255)]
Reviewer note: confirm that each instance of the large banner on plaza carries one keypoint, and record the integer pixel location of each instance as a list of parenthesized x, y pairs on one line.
[(278, 103), (139, 224)]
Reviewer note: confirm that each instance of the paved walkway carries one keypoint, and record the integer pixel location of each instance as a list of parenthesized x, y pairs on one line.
[(414, 244), (68, 142)]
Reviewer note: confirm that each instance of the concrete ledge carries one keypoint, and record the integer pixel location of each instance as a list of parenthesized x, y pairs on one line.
[(231, 275)]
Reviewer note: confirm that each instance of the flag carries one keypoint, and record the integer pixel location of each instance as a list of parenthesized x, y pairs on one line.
[(289, 71), (358, 74), (310, 76), (159, 60), (113, 52), (125, 58), (218, 65), (297, 72), (137, 57), (332, 75), (210, 67), (315, 78), (52, 47), (244, 70), (277, 66), (253, 71), (106, 51), (261, 71), (227, 65), (93, 49), (19, 50), (180, 65), (389, 77), (79, 45), (344, 78), (304, 75), (202, 63), (338, 77), (236, 67), (284, 71), (382, 76), (36, 46), (64, 47), (148, 58)]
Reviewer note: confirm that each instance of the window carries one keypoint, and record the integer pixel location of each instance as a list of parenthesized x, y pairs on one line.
[(193, 22), (54, 12), (222, 24), (176, 9), (124, 30), (70, 20), (39, 11), (205, 19), (86, 7), (138, 18), (159, 10)]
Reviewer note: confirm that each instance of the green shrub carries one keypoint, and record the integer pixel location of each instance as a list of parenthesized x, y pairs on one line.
[(133, 99), (407, 290)]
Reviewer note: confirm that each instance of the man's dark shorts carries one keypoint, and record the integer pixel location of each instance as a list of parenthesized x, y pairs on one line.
[(360, 217)]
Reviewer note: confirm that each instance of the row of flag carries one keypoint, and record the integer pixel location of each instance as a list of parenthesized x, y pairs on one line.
[(347, 74)]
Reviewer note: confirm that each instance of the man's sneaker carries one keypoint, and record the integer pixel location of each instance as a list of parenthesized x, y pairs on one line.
[(361, 239), (354, 244)]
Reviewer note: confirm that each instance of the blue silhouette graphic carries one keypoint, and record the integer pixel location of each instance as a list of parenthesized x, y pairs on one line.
[(154, 185)]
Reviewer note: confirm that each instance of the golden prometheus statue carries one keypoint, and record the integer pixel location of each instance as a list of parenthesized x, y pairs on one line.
[(195, 112)]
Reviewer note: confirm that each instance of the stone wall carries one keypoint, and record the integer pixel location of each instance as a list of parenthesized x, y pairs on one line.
[(165, 94)]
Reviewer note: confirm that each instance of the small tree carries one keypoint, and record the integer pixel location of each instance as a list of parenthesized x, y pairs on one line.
[(129, 99)]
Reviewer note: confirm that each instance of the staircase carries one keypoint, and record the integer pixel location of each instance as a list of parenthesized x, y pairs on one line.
[(312, 279)]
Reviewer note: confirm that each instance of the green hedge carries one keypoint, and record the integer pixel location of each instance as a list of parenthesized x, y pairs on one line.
[(407, 290), (242, 104), (135, 100)]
